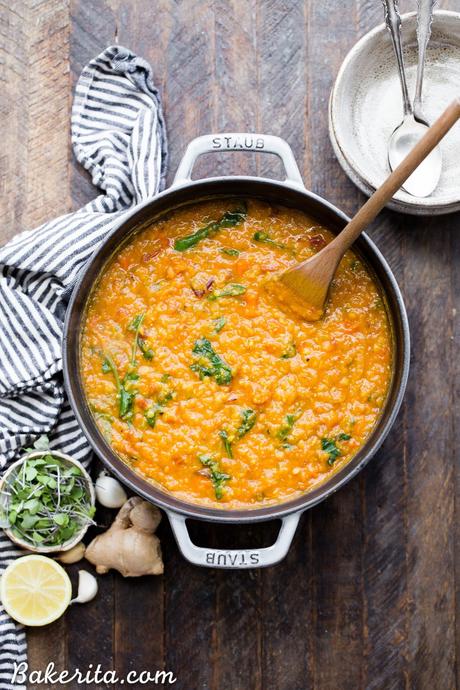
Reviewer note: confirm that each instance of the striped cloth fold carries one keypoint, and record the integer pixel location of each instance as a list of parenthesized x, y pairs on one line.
[(118, 135)]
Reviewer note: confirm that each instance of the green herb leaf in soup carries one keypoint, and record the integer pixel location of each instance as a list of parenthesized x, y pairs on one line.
[(285, 430), (125, 393), (248, 419), (264, 238), (228, 220), (228, 251), (217, 477), (209, 363), (136, 323), (219, 324), (135, 326), (226, 443), (329, 445), (154, 411), (108, 366), (139, 341), (230, 290), (126, 407), (290, 351), (147, 351)]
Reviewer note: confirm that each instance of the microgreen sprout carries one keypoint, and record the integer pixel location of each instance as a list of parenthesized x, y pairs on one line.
[(46, 502)]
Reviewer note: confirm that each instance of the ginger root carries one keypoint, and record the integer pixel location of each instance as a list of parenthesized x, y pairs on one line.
[(129, 545)]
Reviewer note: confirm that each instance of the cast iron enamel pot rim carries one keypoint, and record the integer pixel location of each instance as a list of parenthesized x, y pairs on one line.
[(184, 191)]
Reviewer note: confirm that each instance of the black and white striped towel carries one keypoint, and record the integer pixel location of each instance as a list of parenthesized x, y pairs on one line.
[(118, 135)]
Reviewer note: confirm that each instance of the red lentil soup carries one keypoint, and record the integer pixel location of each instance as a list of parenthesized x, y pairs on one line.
[(204, 386)]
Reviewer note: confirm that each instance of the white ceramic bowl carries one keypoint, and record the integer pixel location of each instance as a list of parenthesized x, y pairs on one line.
[(366, 106), (67, 459)]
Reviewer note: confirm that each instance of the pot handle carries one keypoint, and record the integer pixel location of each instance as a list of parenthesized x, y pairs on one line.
[(234, 141), (234, 558)]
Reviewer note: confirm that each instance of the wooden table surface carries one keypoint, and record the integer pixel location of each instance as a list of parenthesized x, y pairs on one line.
[(367, 595)]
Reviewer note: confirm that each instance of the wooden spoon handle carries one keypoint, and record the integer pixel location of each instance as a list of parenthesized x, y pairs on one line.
[(383, 194)]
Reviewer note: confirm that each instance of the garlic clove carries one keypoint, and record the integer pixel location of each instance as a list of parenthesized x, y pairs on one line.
[(73, 555), (87, 587), (109, 491)]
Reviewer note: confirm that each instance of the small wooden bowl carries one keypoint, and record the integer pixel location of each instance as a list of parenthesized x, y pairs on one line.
[(67, 459)]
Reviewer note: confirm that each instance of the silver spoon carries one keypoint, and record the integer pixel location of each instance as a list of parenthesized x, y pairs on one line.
[(424, 21), (414, 125)]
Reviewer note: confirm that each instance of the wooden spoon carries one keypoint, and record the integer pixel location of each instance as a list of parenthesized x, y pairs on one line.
[(304, 288)]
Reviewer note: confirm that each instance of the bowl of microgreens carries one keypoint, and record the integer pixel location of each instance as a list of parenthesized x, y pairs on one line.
[(47, 501)]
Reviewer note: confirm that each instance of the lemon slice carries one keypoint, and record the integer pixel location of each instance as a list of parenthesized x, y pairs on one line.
[(35, 590)]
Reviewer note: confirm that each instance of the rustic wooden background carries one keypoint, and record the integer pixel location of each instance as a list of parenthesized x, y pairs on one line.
[(367, 595)]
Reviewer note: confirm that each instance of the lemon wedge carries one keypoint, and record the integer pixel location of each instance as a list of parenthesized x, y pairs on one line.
[(35, 590)]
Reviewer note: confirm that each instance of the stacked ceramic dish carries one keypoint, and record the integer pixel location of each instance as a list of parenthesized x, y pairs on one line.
[(366, 106)]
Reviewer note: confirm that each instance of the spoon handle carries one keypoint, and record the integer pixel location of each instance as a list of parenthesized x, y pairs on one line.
[(383, 194), (393, 23), (424, 21)]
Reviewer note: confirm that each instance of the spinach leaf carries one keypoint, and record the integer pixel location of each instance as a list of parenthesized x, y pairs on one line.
[(209, 363), (230, 290), (217, 477), (227, 443), (248, 419), (139, 341), (264, 238), (329, 445), (228, 220), (154, 411), (125, 394), (145, 349), (289, 421), (126, 403), (108, 365), (136, 323), (135, 326), (290, 351), (219, 324)]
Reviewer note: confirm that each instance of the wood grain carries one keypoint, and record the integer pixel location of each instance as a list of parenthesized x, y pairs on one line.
[(430, 468), (138, 619), (453, 357), (34, 106), (34, 171), (368, 595)]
